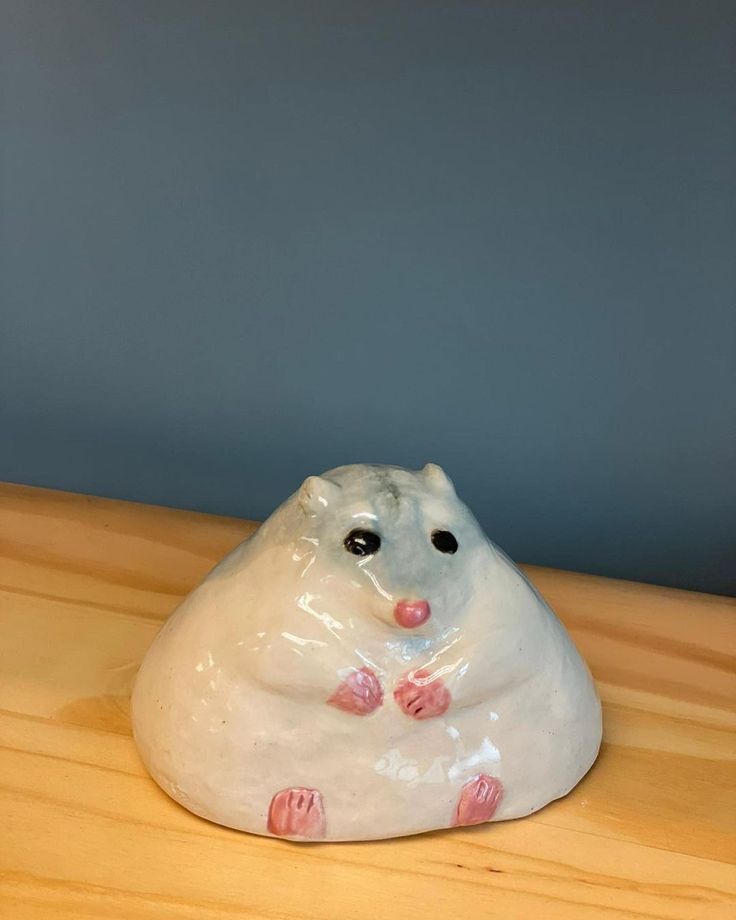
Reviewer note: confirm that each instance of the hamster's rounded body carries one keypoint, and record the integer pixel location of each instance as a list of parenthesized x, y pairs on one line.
[(306, 691)]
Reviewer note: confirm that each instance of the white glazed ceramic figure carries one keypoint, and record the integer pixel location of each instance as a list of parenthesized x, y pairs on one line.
[(368, 664)]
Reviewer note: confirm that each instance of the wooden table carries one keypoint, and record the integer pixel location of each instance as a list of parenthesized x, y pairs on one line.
[(84, 833)]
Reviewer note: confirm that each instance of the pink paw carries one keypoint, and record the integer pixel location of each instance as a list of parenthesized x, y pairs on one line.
[(478, 801), (297, 812), (420, 696), (360, 693)]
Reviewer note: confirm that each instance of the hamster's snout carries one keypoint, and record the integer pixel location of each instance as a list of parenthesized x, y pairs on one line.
[(411, 614)]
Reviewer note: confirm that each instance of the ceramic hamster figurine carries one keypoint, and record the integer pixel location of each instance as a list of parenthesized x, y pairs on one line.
[(368, 664)]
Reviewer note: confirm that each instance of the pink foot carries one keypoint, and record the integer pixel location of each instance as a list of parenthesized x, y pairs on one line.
[(420, 696), (360, 693), (297, 812), (478, 801)]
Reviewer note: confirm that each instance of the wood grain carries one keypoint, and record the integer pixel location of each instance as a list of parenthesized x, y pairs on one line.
[(84, 585)]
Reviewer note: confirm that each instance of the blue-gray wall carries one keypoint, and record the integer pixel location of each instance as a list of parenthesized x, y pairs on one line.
[(243, 242)]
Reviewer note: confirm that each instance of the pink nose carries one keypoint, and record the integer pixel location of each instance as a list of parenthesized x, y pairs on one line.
[(411, 613)]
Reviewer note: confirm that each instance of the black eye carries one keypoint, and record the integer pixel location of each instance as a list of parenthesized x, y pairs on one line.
[(362, 542), (444, 541)]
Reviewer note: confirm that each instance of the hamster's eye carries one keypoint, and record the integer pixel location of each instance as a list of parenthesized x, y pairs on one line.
[(444, 541), (362, 542)]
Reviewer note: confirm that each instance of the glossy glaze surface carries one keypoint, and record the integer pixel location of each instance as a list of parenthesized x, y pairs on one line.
[(323, 685)]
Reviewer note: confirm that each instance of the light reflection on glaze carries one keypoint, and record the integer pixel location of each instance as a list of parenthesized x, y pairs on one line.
[(431, 675), (368, 661), (395, 766), (332, 624), (201, 666), (482, 760), (310, 562), (300, 641), (382, 591)]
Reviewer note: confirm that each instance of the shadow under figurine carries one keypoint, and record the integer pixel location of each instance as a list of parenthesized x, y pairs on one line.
[(367, 665)]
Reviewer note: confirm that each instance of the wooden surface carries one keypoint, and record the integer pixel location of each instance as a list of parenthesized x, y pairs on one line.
[(85, 584)]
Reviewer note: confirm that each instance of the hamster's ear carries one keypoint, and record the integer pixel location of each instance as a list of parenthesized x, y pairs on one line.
[(437, 479), (316, 494)]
